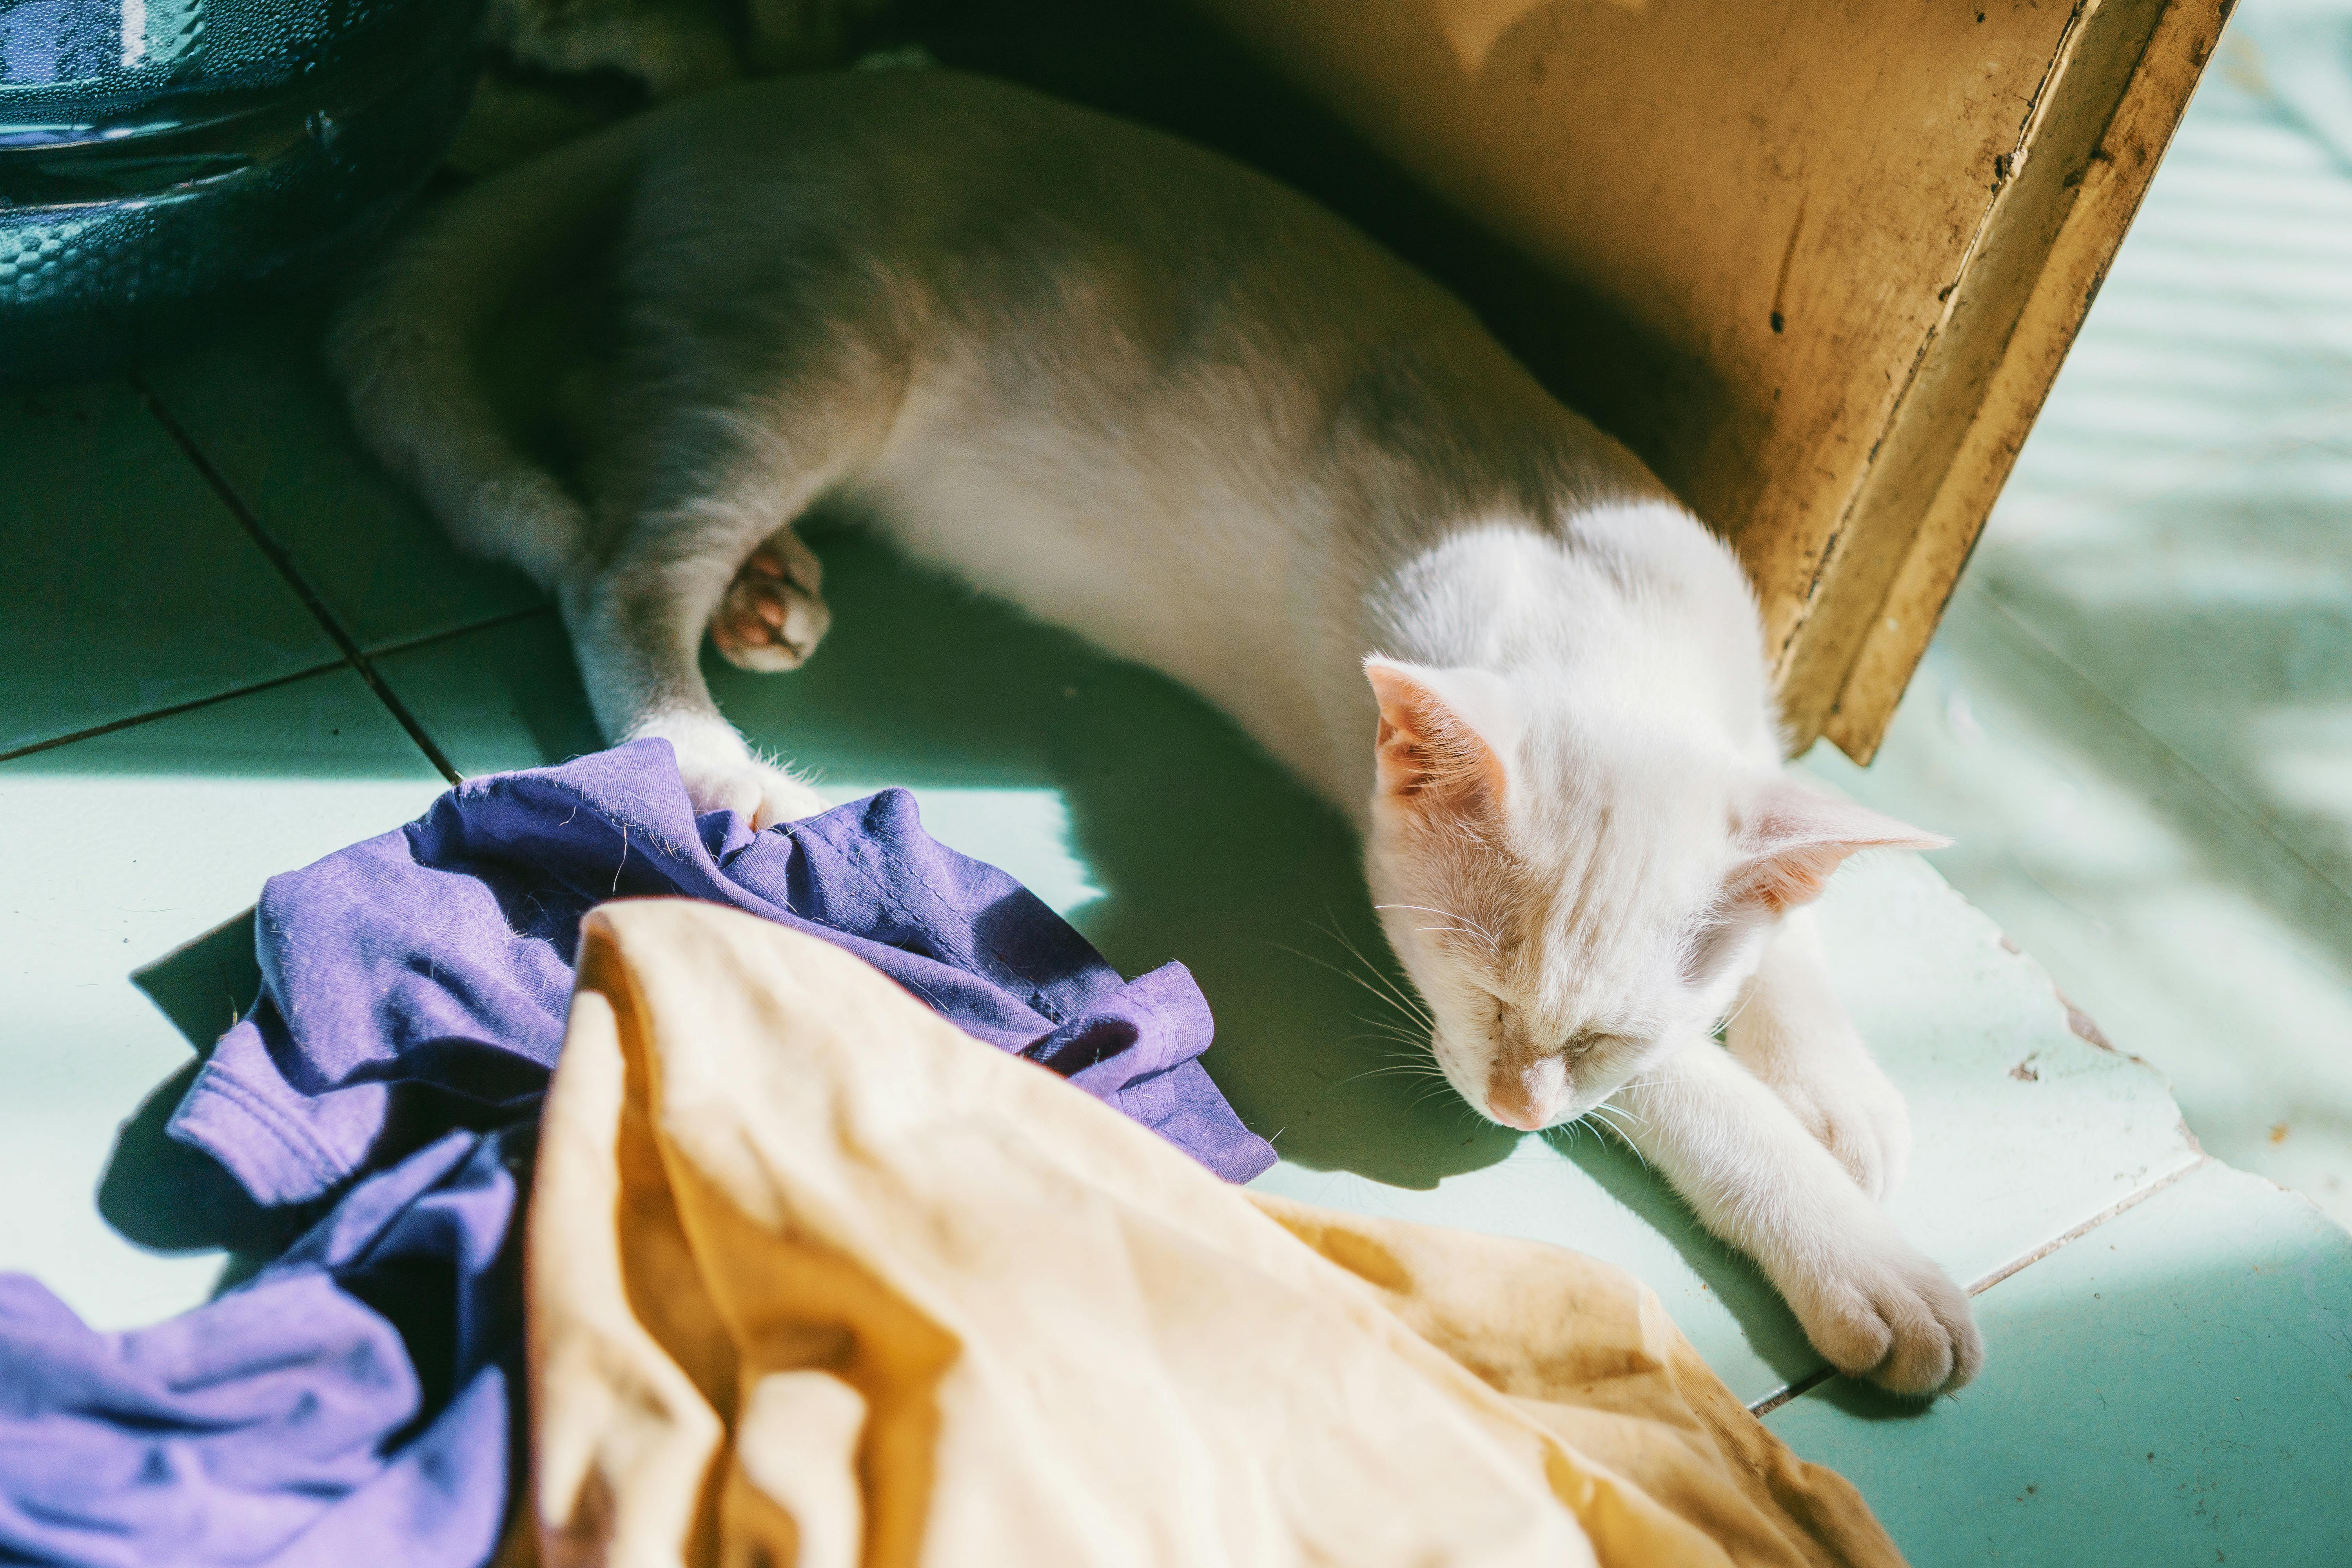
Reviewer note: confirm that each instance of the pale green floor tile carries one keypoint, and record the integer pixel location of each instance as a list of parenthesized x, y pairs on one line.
[(2299, 50), (125, 586), (496, 697), (1165, 834), (2137, 718), (122, 850), (2139, 890), (2214, 614), (2174, 1388), (260, 406)]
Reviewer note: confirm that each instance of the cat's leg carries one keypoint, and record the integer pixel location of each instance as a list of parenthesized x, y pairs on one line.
[(698, 537), (636, 628), (1873, 1304), (1791, 1031), (713, 449)]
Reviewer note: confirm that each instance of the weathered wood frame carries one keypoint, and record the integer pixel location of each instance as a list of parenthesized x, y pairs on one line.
[(1854, 239)]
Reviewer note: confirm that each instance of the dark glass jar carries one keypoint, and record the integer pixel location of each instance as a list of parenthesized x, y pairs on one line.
[(160, 159)]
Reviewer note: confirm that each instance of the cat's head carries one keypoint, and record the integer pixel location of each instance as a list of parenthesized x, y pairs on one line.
[(1575, 892)]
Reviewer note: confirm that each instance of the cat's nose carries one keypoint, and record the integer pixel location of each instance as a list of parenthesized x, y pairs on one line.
[(1511, 1108), (1524, 1097)]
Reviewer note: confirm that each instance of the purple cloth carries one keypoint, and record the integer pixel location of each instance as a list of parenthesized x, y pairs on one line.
[(419, 981), (350, 1404), (357, 1401)]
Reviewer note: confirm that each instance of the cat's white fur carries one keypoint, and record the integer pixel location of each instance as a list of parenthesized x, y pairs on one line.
[(1151, 396)]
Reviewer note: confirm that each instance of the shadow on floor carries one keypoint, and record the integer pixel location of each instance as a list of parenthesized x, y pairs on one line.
[(163, 1195), (1733, 1278), (1203, 849)]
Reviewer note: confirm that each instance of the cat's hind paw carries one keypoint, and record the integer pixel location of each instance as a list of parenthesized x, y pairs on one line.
[(772, 616), (722, 778)]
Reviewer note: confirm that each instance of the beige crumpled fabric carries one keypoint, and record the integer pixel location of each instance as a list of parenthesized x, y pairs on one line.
[(815, 1279)]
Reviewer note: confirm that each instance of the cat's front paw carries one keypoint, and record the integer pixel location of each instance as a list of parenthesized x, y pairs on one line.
[(1859, 1116), (1877, 1308)]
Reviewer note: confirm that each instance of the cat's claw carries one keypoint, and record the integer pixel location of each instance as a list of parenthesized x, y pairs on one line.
[(1882, 1310), (772, 616)]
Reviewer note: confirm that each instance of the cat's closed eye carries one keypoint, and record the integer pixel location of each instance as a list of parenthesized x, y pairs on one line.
[(1584, 1042)]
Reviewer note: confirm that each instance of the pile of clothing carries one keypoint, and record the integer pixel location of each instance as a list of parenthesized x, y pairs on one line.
[(801, 1259)]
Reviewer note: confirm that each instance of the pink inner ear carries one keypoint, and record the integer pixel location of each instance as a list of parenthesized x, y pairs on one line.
[(1431, 757), (1795, 838)]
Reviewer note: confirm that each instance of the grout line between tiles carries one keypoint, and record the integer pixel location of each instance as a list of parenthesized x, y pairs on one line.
[(423, 639), (2129, 1202), (426, 639), (1811, 1381), (283, 560), (1796, 1390), (177, 708)]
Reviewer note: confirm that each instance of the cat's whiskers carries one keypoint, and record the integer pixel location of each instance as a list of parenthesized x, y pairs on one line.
[(1395, 1069), (1606, 1115), (1463, 925), (1403, 999), (1599, 1120), (1400, 1030), (1616, 1110), (1406, 1024), (1411, 1052), (1747, 999), (1377, 984), (1387, 994), (1414, 1060)]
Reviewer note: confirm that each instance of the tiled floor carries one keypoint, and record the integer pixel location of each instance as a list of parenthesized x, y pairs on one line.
[(2171, 1340), (84, 560), (2171, 1387), (2137, 718), (115, 851)]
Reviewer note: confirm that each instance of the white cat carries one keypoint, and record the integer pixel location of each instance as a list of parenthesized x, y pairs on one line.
[(1152, 397)]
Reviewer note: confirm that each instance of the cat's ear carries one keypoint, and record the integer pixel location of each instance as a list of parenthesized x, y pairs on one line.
[(1790, 839), (1444, 740)]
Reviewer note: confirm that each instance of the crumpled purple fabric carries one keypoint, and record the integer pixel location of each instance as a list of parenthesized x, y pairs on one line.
[(419, 981), (358, 1400)]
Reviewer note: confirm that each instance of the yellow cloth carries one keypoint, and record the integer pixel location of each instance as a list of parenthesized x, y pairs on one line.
[(816, 1279)]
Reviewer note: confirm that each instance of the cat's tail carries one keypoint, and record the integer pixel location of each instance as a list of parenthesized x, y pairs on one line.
[(404, 348)]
